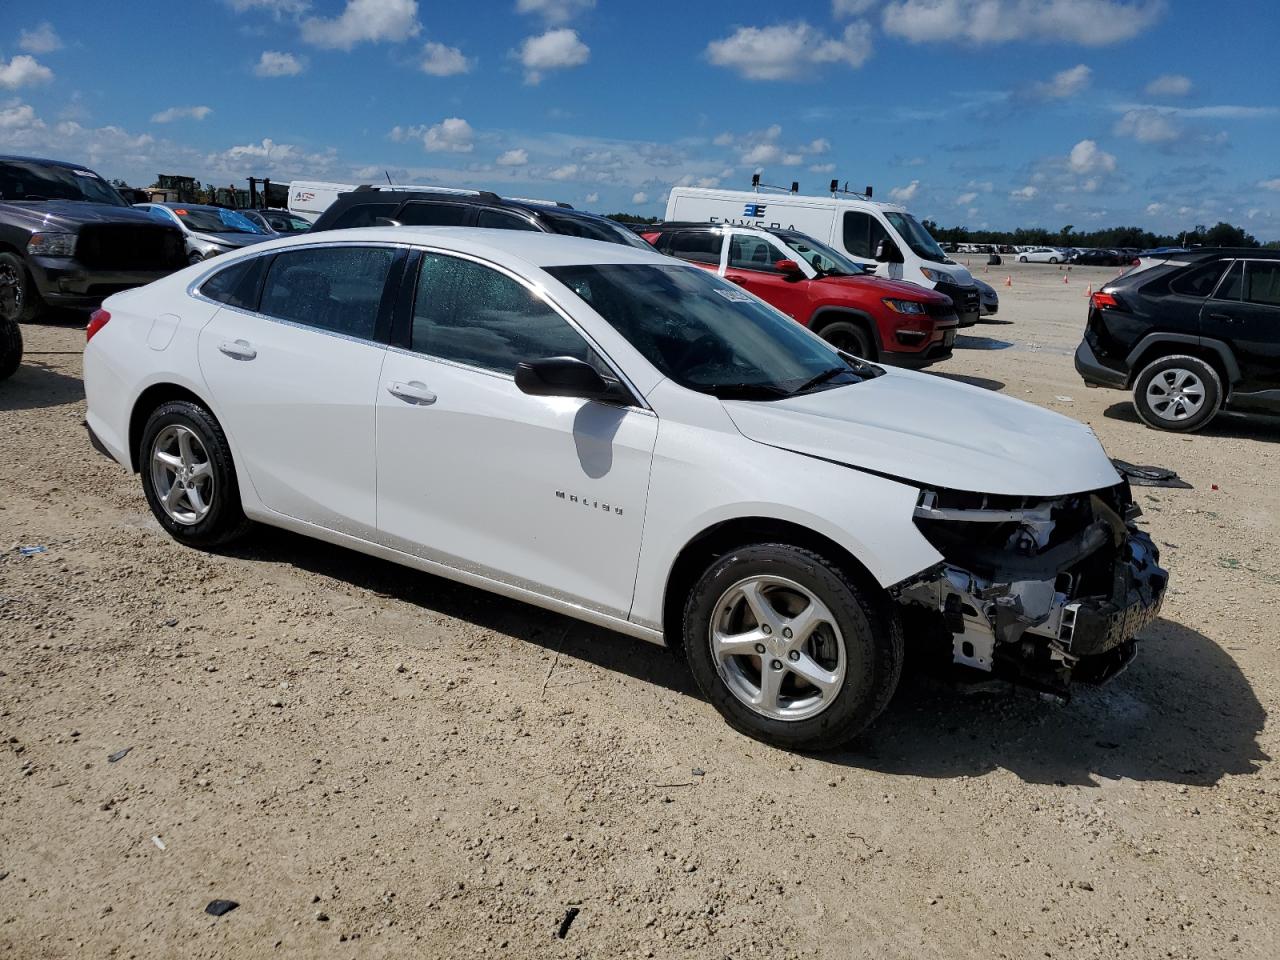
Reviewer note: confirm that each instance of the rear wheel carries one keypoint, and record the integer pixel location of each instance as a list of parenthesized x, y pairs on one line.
[(849, 337), (19, 299), (1022, 259), (1177, 393), (188, 476), (10, 348), (788, 648)]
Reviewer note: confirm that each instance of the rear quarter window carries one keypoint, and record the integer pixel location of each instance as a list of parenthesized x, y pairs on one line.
[(361, 215), (1198, 281), (239, 284)]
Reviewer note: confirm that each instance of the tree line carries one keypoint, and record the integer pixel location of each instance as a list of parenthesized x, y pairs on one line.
[(1220, 235)]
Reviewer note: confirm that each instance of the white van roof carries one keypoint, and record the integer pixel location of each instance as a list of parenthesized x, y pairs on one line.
[(746, 196)]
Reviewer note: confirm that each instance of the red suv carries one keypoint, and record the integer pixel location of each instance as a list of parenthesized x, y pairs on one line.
[(883, 320)]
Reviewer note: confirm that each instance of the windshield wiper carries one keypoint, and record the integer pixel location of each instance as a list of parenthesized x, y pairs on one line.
[(821, 378)]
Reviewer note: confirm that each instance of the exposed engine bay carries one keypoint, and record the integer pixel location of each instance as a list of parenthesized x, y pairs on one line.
[(1041, 591)]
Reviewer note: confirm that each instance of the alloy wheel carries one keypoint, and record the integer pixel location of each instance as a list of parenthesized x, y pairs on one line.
[(11, 292), (1175, 394), (182, 474), (777, 648)]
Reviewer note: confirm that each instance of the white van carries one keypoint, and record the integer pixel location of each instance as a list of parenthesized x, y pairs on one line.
[(883, 237)]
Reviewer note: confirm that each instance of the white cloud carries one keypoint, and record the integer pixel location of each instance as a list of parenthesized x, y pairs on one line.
[(277, 8), (439, 60), (364, 21), (1086, 157), (1154, 208), (905, 194), (1023, 193), (822, 167), (763, 153), (821, 145), (452, 135), (1087, 22), (553, 50), (1169, 85), (43, 39), (966, 198), (22, 116), (566, 172), (514, 158), (851, 8), (554, 11), (639, 197), (23, 71), (1065, 84), (1148, 126), (786, 51), (592, 197), (1270, 184), (276, 63), (181, 113)]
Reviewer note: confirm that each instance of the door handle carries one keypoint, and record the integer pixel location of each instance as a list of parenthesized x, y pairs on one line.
[(1225, 317), (411, 392), (238, 349)]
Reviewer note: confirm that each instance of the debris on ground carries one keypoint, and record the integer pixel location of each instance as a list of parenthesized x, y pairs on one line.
[(569, 916), (217, 908), (33, 550), (119, 755), (1150, 476), (158, 842)]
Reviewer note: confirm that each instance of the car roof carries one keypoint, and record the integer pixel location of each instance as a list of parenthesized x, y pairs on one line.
[(1211, 253), (533, 248), (52, 163)]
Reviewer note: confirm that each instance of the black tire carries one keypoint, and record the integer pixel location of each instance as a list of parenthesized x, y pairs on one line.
[(10, 348), (873, 646), (225, 519), (1053, 259), (849, 337), (195, 258), (1022, 259), (1153, 415), (19, 299)]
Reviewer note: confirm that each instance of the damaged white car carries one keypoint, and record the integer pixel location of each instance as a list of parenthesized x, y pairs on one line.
[(634, 442)]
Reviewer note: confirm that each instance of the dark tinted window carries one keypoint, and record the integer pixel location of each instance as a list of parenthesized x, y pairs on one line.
[(700, 246), (861, 234), (1229, 289), (426, 214), (501, 220), (1198, 281), (32, 180), (469, 313), (753, 253), (593, 228), (361, 215), (1262, 283), (332, 288), (238, 284)]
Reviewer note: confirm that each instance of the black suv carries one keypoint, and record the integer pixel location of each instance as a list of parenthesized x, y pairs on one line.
[(68, 239), (378, 206), (1190, 332)]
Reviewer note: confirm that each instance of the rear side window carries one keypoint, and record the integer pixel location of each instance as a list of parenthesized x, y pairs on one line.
[(362, 215), (338, 289), (1198, 281), (1262, 283), (753, 253), (471, 314), (424, 214), (238, 284), (700, 246), (862, 233), (501, 220), (1229, 289)]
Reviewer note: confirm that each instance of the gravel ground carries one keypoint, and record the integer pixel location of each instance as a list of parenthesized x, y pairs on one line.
[(373, 762)]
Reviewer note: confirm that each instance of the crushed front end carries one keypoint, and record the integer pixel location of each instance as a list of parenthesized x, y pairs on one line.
[(1040, 591)]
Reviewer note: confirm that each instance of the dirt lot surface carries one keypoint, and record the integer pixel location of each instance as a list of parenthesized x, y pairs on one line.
[(376, 763)]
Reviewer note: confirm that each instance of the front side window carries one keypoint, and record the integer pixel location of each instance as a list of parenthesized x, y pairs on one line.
[(707, 334), (698, 246), (753, 253), (1199, 281), (594, 228), (425, 214), (1262, 283), (501, 220), (862, 234), (469, 313), (338, 289)]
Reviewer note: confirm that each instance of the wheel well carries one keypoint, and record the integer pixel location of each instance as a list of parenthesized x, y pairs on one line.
[(712, 543), (824, 319), (1170, 348), (147, 401)]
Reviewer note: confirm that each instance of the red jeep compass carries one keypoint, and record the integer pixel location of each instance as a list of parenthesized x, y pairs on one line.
[(883, 320)]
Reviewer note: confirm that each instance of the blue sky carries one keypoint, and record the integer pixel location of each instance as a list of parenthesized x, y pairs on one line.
[(1001, 113)]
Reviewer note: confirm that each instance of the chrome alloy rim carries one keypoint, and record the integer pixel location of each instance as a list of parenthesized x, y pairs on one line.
[(182, 474), (777, 648), (1175, 394)]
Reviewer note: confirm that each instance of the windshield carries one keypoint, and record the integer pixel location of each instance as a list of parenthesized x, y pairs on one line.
[(917, 237), (707, 334), (286, 223), (821, 257), (21, 180), (215, 220), (595, 228)]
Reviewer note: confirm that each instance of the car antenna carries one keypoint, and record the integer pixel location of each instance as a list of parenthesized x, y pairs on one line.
[(387, 174)]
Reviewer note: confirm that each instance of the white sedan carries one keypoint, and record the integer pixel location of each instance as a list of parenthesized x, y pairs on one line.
[(1042, 255), (631, 441)]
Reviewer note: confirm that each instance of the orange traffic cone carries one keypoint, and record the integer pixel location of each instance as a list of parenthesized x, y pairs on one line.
[(1065, 278), (1008, 281), (1089, 292)]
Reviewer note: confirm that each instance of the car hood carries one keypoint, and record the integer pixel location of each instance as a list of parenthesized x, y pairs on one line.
[(936, 433), (879, 286), (69, 214), (232, 239)]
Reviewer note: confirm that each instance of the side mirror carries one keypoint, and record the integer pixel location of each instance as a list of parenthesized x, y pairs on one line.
[(568, 377), (788, 268), (887, 252)]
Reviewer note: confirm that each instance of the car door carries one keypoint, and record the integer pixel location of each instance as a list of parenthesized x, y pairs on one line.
[(750, 265), (1244, 312), (547, 494), (294, 380)]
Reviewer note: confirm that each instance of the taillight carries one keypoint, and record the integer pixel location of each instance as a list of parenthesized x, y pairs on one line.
[(97, 320), (1104, 301)]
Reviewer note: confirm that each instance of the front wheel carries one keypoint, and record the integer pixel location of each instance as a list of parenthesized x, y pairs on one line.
[(1053, 259), (788, 648), (1022, 259), (188, 477), (849, 337), (10, 348), (19, 299), (1177, 392)]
